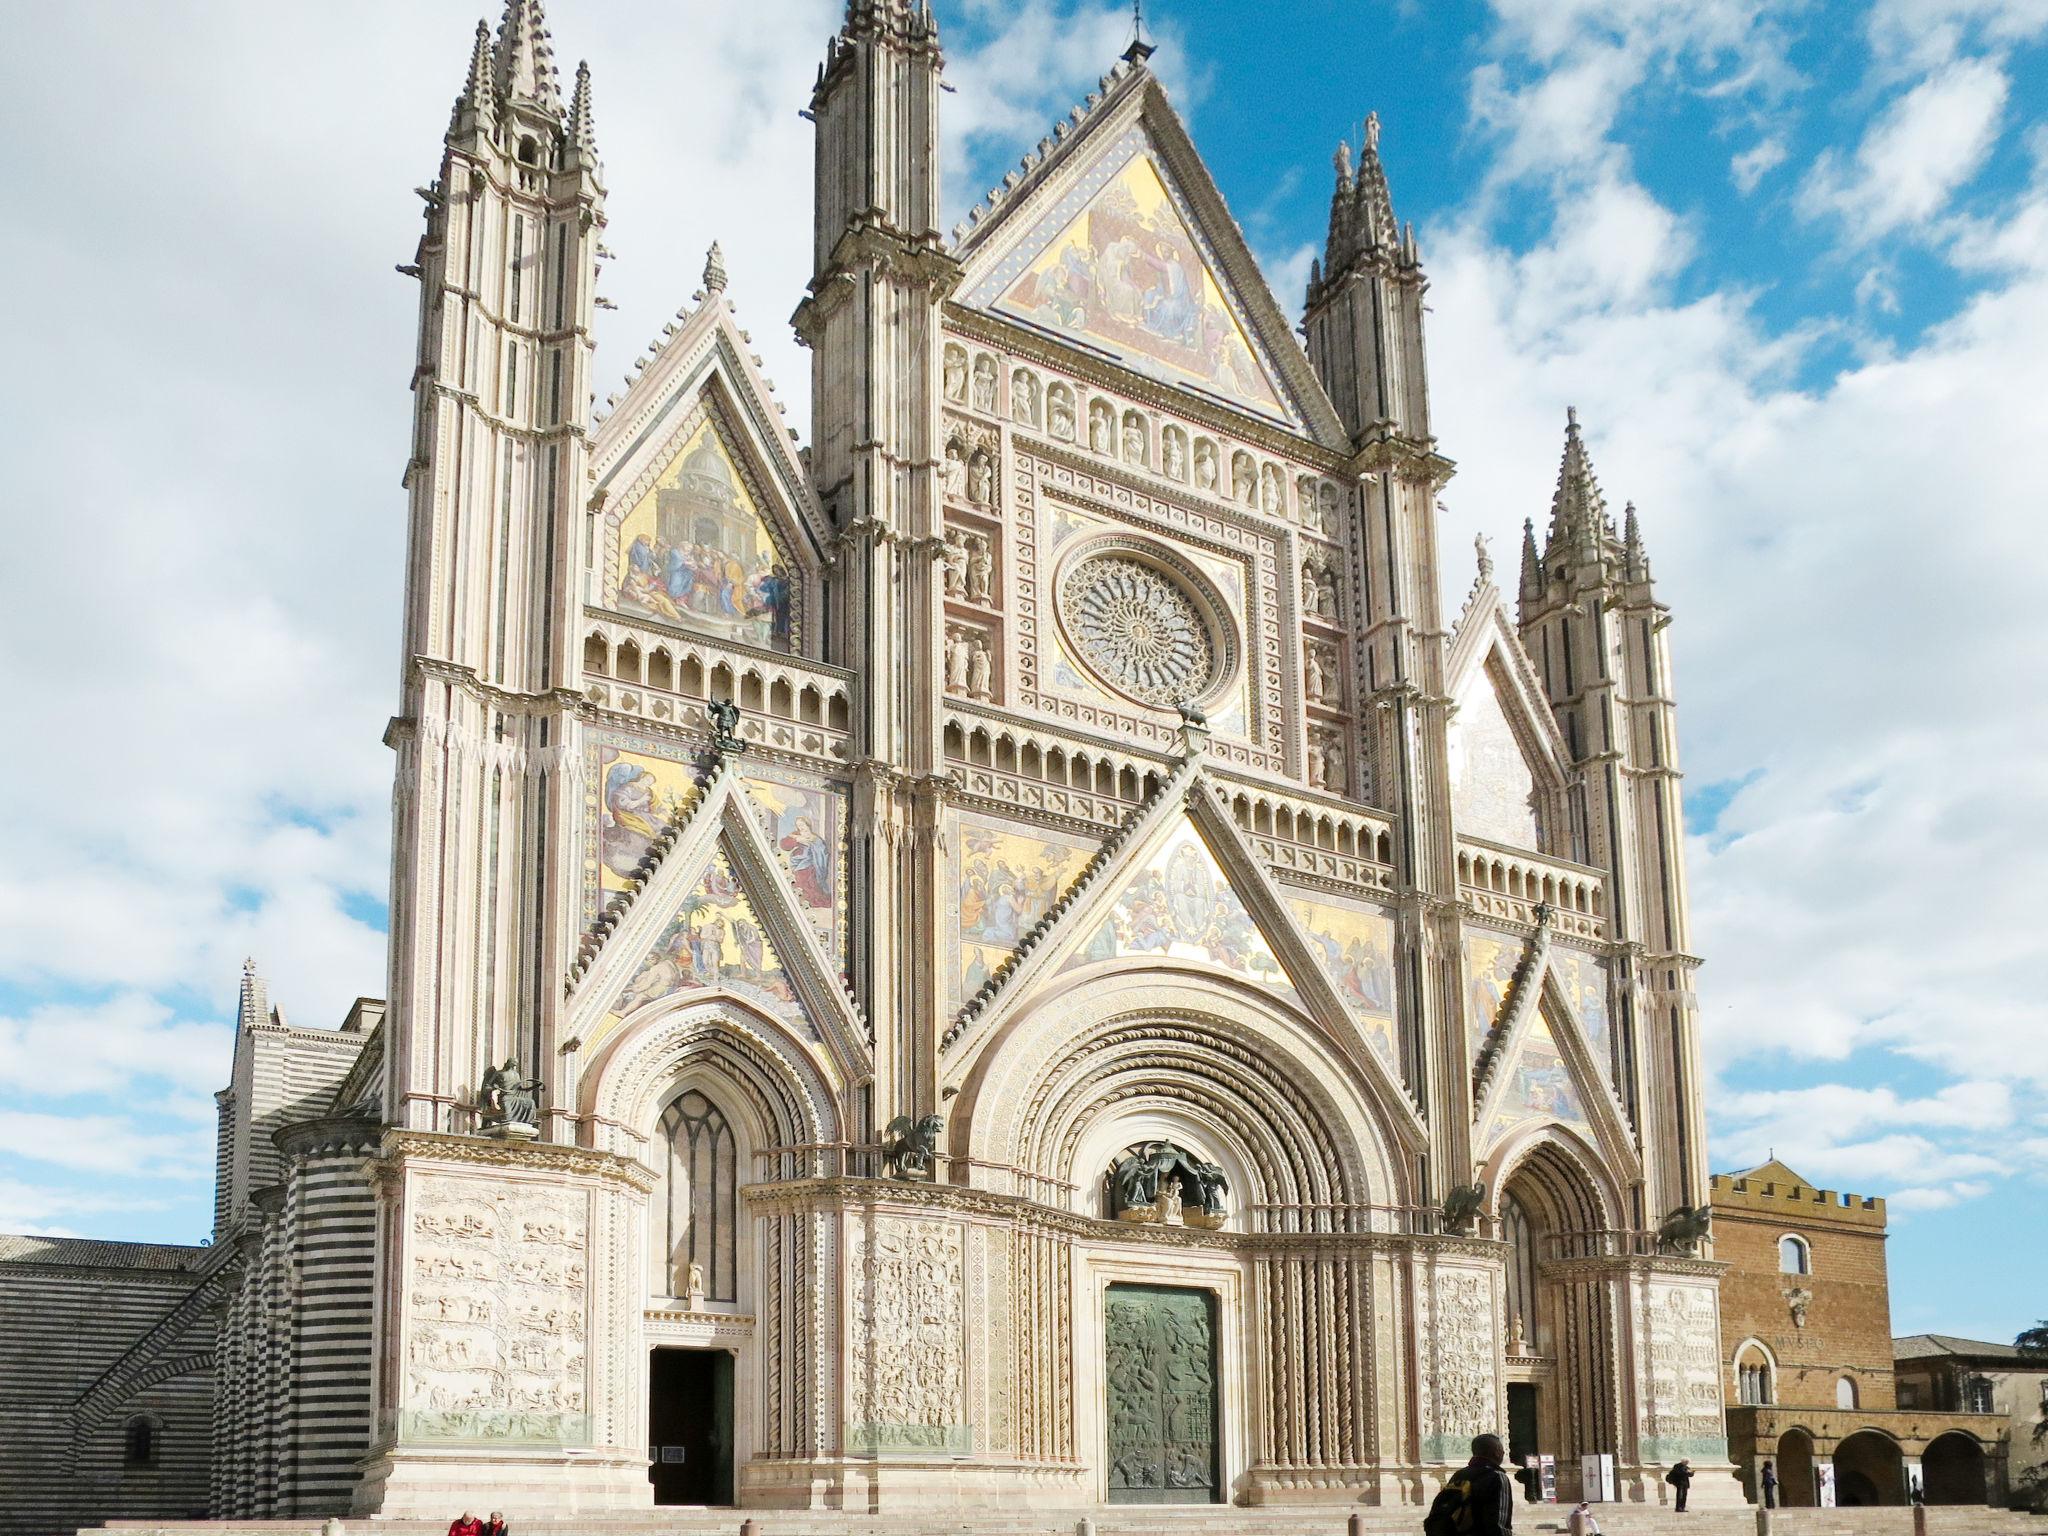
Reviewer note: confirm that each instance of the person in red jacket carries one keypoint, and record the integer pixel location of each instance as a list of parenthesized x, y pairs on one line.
[(466, 1525), (496, 1526)]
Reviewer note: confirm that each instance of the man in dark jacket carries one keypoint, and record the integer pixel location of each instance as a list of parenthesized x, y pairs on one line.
[(1680, 1477), (1477, 1491)]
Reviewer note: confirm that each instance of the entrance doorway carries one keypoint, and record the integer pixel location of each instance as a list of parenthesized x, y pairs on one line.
[(689, 1426), (1522, 1439), (1159, 1366)]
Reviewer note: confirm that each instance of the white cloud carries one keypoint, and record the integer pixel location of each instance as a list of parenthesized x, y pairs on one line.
[(39, 1210), (106, 1144), (1749, 168), (1913, 158), (61, 1050), (1921, 34)]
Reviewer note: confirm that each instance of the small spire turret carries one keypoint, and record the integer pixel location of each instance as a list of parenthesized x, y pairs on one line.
[(1374, 213), (1532, 566), (479, 99), (1635, 561), (582, 131), (252, 1010)]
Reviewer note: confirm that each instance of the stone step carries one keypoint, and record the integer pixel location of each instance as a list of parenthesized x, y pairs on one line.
[(1126, 1520)]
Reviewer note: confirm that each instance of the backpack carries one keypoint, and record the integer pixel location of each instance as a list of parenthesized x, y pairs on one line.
[(1451, 1512)]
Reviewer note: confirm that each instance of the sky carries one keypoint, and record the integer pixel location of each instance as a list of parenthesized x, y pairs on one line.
[(1789, 261)]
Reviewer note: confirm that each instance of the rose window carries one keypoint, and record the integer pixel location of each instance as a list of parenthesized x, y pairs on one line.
[(1139, 629)]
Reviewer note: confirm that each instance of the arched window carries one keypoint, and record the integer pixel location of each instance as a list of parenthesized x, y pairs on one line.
[(139, 1442), (1520, 1234), (1845, 1392), (697, 1203), (1794, 1257), (1752, 1376)]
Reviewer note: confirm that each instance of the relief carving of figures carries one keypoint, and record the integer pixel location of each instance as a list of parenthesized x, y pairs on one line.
[(1272, 491), (1465, 1342), (1308, 586), (495, 1305), (1305, 500), (981, 669), (985, 384), (1024, 397), (1244, 479), (1205, 464), (908, 1300), (956, 374), (1173, 454), (1059, 412), (1332, 762), (981, 566), (1316, 766), (980, 478), (1319, 673), (1326, 593), (1101, 427), (953, 474), (953, 569), (1326, 505), (959, 657), (1134, 439)]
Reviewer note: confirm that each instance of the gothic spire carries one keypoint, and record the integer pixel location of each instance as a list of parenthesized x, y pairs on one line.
[(582, 132), (1532, 566), (1374, 213), (1578, 512), (1342, 243), (524, 59), (479, 93), (1635, 559), (252, 1010)]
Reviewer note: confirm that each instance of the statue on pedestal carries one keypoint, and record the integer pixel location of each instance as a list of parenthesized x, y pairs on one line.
[(509, 1103)]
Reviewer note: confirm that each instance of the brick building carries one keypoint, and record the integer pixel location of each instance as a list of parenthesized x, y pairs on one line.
[(1809, 1374)]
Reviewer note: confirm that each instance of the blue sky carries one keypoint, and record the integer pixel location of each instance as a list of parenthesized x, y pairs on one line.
[(1789, 260)]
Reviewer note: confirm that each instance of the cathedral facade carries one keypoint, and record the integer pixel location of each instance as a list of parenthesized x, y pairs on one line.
[(1019, 953)]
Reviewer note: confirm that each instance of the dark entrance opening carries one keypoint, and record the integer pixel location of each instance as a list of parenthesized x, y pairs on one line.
[(1159, 1349), (689, 1426), (1522, 1434)]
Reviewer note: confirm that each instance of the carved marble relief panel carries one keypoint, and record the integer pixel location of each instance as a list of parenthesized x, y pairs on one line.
[(1463, 1343), (1681, 1406), (907, 1279), (496, 1306)]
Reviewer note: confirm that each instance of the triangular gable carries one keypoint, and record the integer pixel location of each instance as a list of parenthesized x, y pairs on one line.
[(1543, 1071), (1508, 760), (1177, 883), (1355, 946), (719, 915), (1116, 241), (704, 516), (1178, 904)]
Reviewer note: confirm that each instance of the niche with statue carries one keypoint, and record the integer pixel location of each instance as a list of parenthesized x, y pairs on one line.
[(1159, 1183)]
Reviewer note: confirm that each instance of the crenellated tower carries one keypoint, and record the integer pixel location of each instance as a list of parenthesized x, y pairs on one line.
[(1364, 333), (486, 797), (1591, 621), (881, 270)]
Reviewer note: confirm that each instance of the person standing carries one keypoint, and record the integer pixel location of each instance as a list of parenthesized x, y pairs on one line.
[(1770, 1481), (1475, 1500), (1680, 1477)]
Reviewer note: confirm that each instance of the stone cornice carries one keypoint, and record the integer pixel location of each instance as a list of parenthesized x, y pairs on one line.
[(906, 1198), (1648, 1265), (402, 1149)]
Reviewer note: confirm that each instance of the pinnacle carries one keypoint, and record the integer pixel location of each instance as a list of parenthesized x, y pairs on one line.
[(1532, 569), (582, 132), (1375, 199), (1578, 511), (714, 269), (524, 59)]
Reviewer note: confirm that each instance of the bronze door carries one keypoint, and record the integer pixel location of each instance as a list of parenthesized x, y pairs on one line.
[(1159, 1347)]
